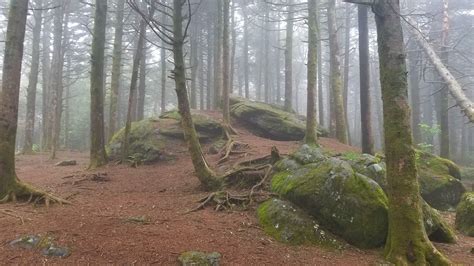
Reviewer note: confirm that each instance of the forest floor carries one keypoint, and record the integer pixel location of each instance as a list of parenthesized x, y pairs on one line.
[(98, 226)]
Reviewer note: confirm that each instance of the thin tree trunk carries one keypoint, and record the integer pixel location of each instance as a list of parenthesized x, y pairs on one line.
[(98, 156), (33, 79), (246, 54), (116, 69), (232, 55), (455, 89), (364, 69), (218, 83), (311, 137), (289, 57), (204, 173), (321, 111), (209, 67), (46, 80), (347, 51), (226, 66), (133, 89), (57, 78), (336, 77), (194, 66)]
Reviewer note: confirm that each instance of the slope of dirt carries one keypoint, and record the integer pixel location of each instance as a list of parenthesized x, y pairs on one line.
[(96, 229)]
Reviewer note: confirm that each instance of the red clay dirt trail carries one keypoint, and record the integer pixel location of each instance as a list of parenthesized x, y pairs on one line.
[(95, 226)]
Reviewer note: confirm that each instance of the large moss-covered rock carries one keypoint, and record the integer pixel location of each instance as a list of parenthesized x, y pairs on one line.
[(207, 127), (348, 204), (342, 199), (439, 178), (465, 214), (288, 224), (146, 144), (439, 181), (269, 121), (149, 137)]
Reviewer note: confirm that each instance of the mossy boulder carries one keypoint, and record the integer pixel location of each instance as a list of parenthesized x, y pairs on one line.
[(146, 144), (289, 224), (465, 214), (207, 127), (149, 137), (342, 199), (347, 204), (197, 258), (268, 121), (439, 181), (439, 178)]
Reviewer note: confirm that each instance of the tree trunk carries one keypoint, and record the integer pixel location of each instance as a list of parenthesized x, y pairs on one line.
[(10, 93), (232, 54), (218, 83), (57, 78), (407, 241), (97, 150), (455, 89), (204, 173), (116, 68), (226, 66), (46, 85), (311, 134), (347, 56), (163, 71), (321, 111), (140, 107), (246, 53), (209, 66), (133, 89), (194, 65), (266, 53), (289, 57), (33, 79), (336, 77), (364, 69)]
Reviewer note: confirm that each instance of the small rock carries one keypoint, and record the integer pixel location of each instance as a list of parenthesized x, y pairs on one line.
[(54, 251), (198, 258), (26, 242), (67, 163)]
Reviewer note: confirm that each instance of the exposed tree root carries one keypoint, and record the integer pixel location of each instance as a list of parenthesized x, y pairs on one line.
[(255, 171), (23, 191), (232, 146), (13, 214)]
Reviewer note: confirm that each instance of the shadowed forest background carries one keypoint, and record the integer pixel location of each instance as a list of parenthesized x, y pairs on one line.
[(260, 131)]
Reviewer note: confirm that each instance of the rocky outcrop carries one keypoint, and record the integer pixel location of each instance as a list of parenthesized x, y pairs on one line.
[(465, 214)]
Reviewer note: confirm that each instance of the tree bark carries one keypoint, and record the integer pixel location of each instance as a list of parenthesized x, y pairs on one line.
[(289, 57), (97, 150), (133, 89), (336, 77), (33, 79), (10, 93), (347, 57), (407, 241), (116, 68), (226, 65), (455, 89), (246, 53), (311, 134), (364, 69), (218, 83), (204, 173), (46, 85)]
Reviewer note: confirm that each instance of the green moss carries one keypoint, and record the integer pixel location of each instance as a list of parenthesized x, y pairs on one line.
[(349, 205), (145, 143), (206, 126), (269, 121), (307, 154), (289, 224), (436, 228), (465, 214), (197, 258)]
